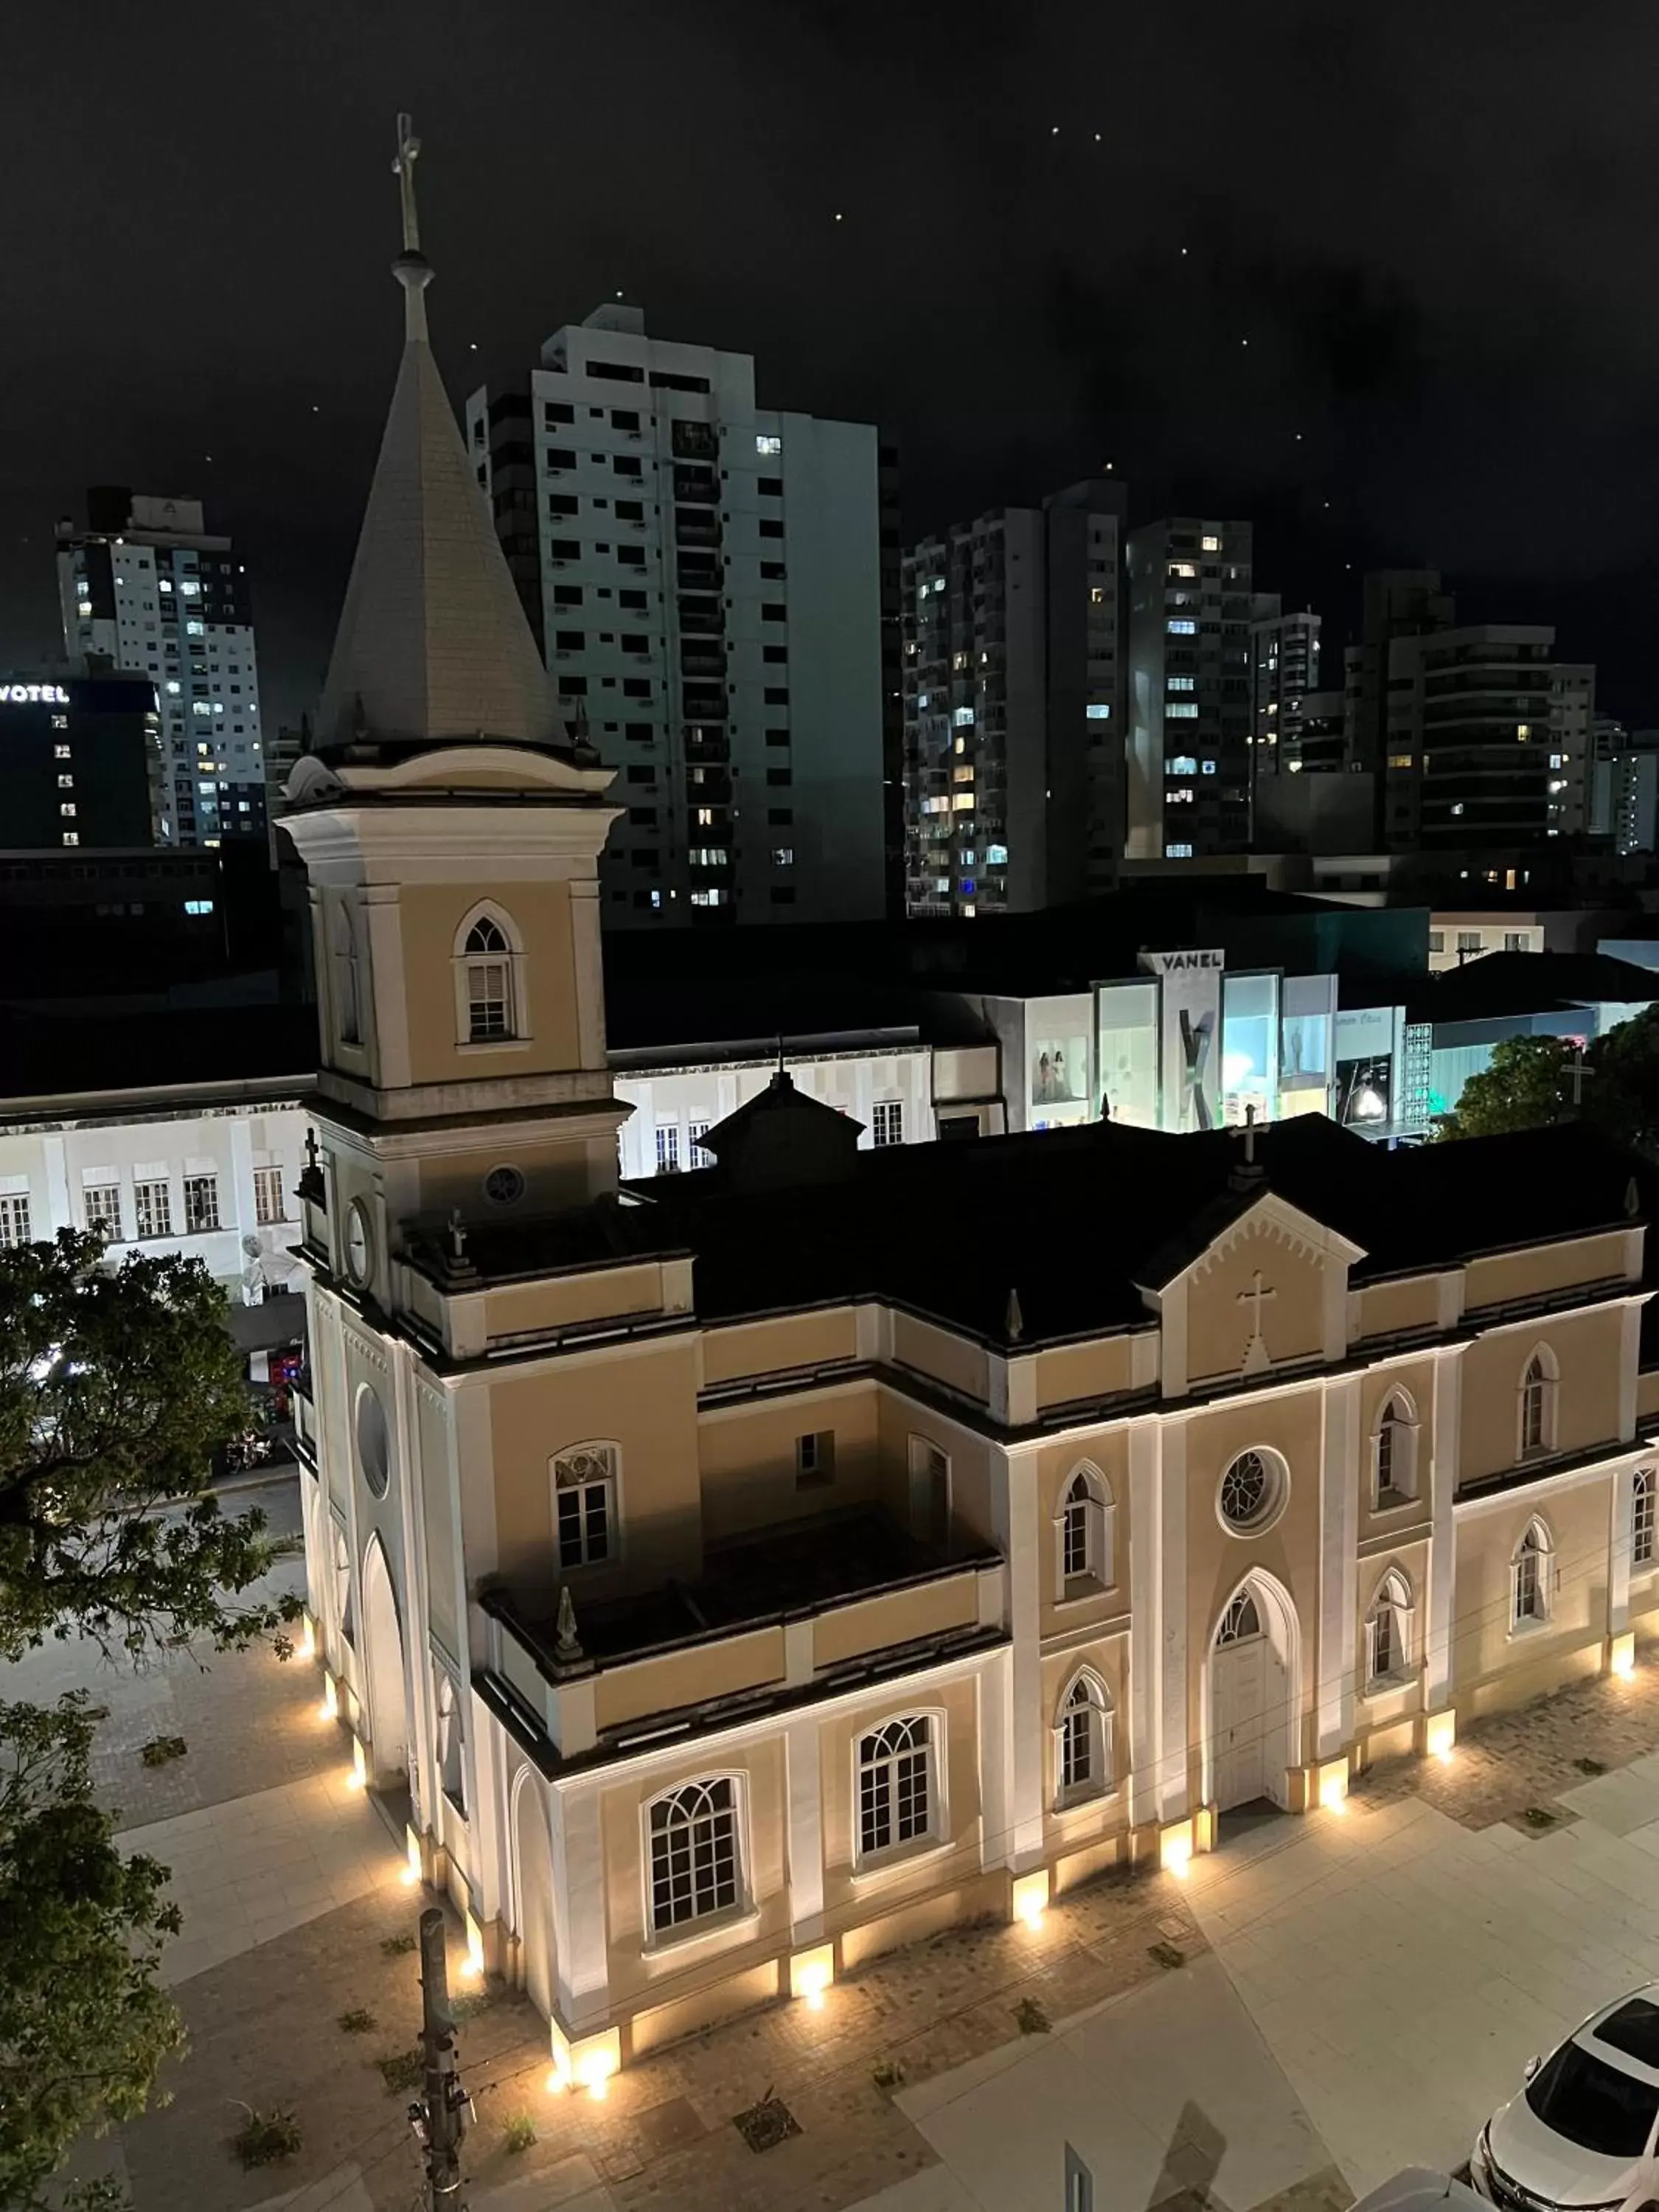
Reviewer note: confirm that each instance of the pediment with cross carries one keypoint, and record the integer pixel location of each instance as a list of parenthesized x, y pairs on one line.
[(1268, 1291)]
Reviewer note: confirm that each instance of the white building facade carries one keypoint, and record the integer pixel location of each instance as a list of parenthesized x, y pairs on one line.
[(704, 578), (211, 1174), (148, 590)]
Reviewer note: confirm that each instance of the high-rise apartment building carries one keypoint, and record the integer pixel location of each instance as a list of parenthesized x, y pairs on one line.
[(146, 591), (1283, 674), (1013, 708), (1625, 787), (1190, 701), (1572, 748), (1469, 739), (704, 577), (1396, 603)]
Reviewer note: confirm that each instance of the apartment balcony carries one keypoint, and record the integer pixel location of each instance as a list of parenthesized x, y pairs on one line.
[(702, 665), (695, 527), (699, 484), (779, 1619)]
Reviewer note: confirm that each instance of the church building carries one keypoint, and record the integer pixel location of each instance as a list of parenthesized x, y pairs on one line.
[(751, 1570)]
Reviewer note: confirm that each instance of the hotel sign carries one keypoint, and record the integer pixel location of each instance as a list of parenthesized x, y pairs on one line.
[(33, 695)]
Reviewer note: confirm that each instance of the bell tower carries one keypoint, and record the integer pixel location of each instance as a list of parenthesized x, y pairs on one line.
[(450, 836)]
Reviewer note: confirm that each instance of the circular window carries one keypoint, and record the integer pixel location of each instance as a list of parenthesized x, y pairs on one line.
[(1252, 1491), (360, 1243), (374, 1444), (504, 1186)]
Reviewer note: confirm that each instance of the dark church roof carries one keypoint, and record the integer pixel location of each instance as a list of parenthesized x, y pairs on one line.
[(1077, 1220)]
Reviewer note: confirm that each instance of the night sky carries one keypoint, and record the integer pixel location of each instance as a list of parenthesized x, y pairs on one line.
[(1061, 224)]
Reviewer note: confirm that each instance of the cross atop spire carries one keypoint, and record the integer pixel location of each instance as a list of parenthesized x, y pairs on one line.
[(411, 268), (402, 168)]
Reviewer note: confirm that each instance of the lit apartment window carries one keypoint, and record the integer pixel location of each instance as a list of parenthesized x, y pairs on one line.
[(1178, 852), (1180, 683), (66, 806), (201, 1204), (14, 1217), (1210, 544), (767, 445), (60, 752), (1181, 626), (71, 837), (268, 1201)]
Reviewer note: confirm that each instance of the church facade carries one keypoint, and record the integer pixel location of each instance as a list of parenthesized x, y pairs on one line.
[(752, 1570)]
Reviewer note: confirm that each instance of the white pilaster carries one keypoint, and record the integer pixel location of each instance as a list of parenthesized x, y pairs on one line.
[(1630, 1359), (1020, 1538), (1145, 1621), (802, 1767), (1448, 1400), (1336, 1641), (1623, 1486), (60, 1213), (244, 1206), (579, 1906), (994, 1687), (587, 963), (1174, 1735), (385, 1024)]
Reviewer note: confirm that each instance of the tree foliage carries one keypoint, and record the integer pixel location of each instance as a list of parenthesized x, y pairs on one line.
[(1525, 1087), (83, 2027), (116, 1389), (1531, 1083), (118, 1386)]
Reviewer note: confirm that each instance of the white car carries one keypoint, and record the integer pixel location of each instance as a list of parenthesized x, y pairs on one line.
[(1420, 2189), (1580, 2136)]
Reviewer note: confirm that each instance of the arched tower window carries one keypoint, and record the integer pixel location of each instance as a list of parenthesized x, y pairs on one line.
[(1394, 1453), (490, 1005), (348, 977), (1084, 1762), (1532, 1578), (1539, 1385), (1085, 1531), (1389, 1624)]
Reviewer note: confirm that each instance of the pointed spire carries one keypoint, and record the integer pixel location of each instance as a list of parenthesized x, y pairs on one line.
[(1014, 1321), (433, 647)]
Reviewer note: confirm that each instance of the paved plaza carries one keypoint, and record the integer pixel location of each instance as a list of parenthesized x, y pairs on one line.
[(1322, 2001)]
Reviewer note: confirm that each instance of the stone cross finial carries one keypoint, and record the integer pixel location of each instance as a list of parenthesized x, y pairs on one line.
[(402, 168), (1247, 1131), (1013, 1320), (311, 1149), (457, 1236), (1577, 1075), (566, 1647)]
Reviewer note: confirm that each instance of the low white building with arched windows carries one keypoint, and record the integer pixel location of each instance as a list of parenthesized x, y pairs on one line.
[(748, 1571)]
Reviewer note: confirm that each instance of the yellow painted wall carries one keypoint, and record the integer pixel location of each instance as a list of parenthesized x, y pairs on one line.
[(1416, 1378), (642, 1398), (848, 1898), (1074, 1371), (768, 1347), (1081, 1825), (1588, 1347), (953, 1360), (430, 914), (1411, 1302), (557, 1173), (688, 1675), (556, 1301), (748, 1458), (1107, 1450), (1219, 1312), (1490, 1665), (898, 1617), (970, 1456), (640, 1976), (1542, 1268)]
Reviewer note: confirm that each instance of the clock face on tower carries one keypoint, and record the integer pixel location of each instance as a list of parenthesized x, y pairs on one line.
[(360, 1248)]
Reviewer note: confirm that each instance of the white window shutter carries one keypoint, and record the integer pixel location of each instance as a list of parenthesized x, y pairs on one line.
[(1370, 1651), (1108, 1749), (1406, 1623)]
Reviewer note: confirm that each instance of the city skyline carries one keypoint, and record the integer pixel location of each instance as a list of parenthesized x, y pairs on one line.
[(1230, 337)]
